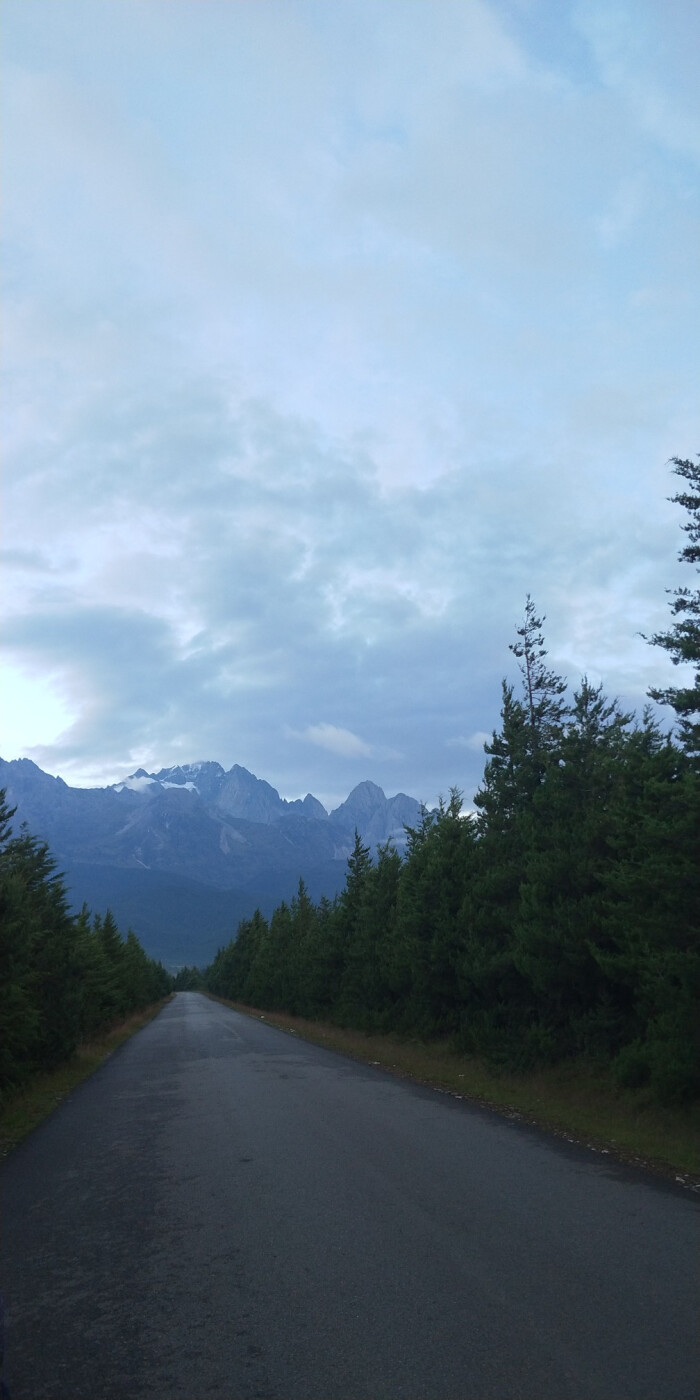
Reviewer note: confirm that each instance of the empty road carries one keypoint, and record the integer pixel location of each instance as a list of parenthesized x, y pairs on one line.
[(224, 1210)]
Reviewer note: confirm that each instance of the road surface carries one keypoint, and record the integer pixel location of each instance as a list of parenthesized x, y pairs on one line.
[(224, 1210)]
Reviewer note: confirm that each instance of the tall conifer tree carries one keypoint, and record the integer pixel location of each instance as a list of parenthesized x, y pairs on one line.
[(682, 640)]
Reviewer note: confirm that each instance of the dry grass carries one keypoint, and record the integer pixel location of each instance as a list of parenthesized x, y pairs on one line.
[(572, 1100), (34, 1101)]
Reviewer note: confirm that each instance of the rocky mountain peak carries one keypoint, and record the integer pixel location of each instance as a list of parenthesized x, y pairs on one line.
[(377, 818), (367, 797)]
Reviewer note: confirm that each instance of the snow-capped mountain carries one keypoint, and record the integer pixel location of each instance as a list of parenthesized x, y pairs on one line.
[(203, 831), (238, 793)]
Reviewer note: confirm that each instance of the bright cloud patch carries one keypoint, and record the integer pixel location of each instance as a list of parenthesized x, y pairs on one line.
[(474, 742), (338, 741)]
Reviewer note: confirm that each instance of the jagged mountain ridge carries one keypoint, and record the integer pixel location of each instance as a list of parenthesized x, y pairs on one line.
[(221, 831), (239, 793), (236, 793)]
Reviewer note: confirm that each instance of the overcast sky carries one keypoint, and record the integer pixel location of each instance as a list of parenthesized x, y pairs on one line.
[(331, 330)]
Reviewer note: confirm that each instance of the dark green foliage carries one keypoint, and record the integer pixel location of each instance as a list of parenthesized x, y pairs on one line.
[(365, 921), (561, 921), (424, 952), (187, 979), (652, 913), (561, 916), (19, 1016), (63, 978)]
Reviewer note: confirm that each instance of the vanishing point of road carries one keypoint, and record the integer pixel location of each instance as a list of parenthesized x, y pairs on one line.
[(224, 1210)]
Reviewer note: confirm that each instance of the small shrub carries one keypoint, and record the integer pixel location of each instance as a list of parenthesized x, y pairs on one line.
[(631, 1068)]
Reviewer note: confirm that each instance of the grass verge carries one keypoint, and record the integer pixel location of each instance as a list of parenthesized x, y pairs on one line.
[(33, 1101), (573, 1101)]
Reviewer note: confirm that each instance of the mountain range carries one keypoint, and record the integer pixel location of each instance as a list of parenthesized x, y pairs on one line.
[(183, 854)]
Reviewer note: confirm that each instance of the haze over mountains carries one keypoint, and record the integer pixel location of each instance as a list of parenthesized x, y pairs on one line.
[(183, 854)]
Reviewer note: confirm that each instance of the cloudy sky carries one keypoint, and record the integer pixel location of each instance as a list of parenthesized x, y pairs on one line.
[(331, 331)]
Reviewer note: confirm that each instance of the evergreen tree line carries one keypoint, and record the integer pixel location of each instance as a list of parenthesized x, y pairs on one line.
[(557, 921), (64, 978), (187, 979)]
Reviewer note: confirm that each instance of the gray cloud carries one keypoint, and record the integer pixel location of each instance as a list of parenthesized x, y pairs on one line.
[(308, 393)]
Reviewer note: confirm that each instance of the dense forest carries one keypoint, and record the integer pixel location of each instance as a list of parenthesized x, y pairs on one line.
[(64, 978), (557, 921)]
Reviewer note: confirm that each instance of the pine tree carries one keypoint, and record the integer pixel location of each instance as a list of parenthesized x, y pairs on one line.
[(543, 691), (650, 954), (54, 976), (323, 961), (506, 785), (18, 1014), (305, 951), (426, 944), (349, 932), (561, 907), (258, 982), (96, 1003), (364, 993), (112, 945), (497, 998), (187, 979), (682, 640)]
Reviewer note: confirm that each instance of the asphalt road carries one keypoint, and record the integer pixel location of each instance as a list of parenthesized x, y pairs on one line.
[(225, 1210)]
